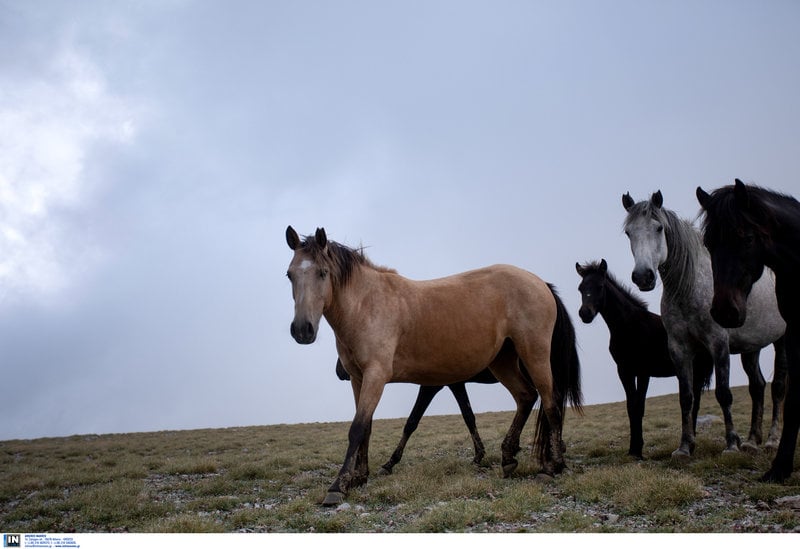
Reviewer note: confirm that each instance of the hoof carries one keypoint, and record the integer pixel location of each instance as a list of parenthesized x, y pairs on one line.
[(772, 444), (333, 498), (383, 472), (776, 475), (544, 478), (680, 455), (732, 450), (749, 446), (509, 468)]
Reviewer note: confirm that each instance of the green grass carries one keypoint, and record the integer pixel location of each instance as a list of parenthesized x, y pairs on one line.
[(272, 478)]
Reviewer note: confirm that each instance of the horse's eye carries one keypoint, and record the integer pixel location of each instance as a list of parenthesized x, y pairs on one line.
[(288, 275), (323, 273), (660, 229)]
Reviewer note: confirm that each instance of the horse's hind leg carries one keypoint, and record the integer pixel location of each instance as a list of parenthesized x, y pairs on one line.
[(535, 357), (506, 370), (424, 398), (460, 392), (778, 390), (756, 386)]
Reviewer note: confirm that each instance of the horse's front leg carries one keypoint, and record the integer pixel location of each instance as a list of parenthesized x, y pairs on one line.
[(783, 463), (684, 369), (634, 400), (354, 470), (778, 391), (756, 385), (722, 390)]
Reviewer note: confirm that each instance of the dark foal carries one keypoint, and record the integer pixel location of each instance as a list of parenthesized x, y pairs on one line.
[(638, 342)]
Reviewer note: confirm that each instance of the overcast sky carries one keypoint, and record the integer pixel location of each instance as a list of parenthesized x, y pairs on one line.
[(152, 154)]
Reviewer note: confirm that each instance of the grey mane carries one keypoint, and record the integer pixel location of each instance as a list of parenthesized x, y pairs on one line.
[(685, 245)]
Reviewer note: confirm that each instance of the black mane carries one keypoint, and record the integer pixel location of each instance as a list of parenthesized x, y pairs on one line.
[(763, 204), (340, 260), (594, 268)]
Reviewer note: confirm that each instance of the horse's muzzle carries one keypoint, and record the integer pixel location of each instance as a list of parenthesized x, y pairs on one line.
[(303, 332), (645, 279), (587, 314)]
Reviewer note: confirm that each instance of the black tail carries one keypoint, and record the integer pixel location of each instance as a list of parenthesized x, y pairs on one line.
[(566, 368)]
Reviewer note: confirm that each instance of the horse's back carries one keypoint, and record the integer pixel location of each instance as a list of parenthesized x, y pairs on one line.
[(497, 283), (460, 322)]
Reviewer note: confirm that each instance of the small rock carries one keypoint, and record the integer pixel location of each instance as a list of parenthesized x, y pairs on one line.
[(792, 502), (706, 420), (343, 507)]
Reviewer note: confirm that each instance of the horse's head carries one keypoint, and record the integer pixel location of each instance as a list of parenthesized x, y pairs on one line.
[(734, 238), (311, 283), (592, 289), (644, 227)]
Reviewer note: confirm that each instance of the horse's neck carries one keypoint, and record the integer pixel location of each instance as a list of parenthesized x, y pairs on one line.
[(618, 310), (686, 261), (345, 312), (786, 255)]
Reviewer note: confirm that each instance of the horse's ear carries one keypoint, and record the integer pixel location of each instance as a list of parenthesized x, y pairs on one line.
[(741, 195), (627, 201), (580, 269), (603, 266), (657, 199), (292, 239), (322, 238), (703, 198)]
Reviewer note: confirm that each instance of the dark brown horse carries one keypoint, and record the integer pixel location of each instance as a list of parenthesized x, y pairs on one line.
[(436, 332), (746, 229), (424, 399)]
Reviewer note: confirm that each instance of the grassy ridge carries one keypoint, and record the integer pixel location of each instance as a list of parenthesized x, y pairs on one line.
[(271, 478)]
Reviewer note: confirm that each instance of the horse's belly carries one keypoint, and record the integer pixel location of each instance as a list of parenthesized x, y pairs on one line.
[(764, 323), (443, 364)]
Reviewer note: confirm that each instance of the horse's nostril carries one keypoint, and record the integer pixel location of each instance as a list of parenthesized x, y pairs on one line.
[(303, 332), (645, 279)]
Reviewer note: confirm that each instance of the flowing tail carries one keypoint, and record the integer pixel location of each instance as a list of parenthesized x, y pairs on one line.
[(566, 368)]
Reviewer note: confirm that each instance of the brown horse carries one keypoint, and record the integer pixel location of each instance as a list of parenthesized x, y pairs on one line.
[(437, 332)]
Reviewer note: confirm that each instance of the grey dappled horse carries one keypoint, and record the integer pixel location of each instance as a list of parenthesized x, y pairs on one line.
[(666, 245)]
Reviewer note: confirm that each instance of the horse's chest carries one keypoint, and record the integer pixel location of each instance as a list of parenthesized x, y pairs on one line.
[(788, 294)]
